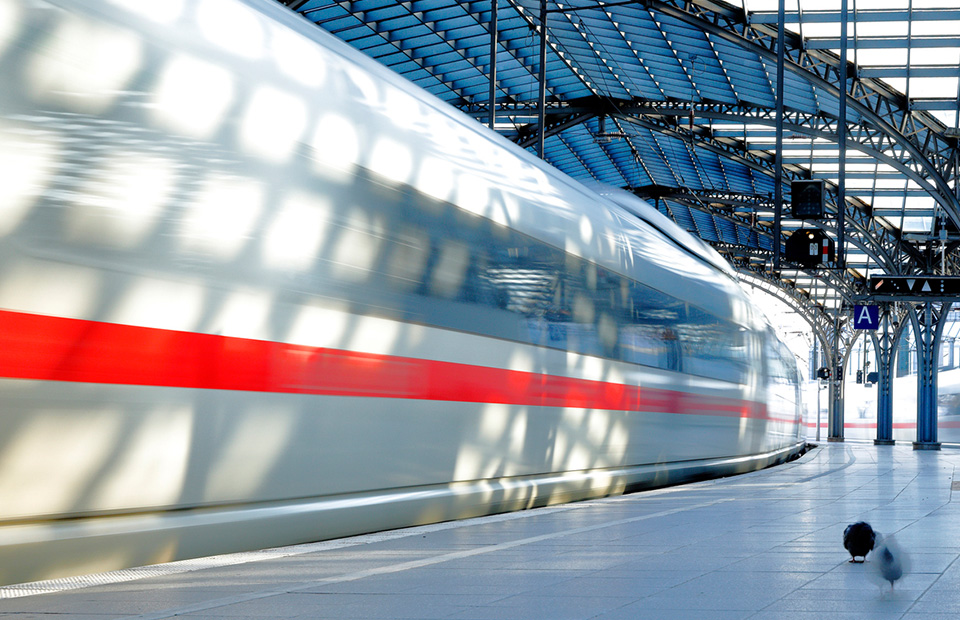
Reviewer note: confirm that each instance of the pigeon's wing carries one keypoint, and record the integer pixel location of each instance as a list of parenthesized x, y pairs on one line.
[(890, 562)]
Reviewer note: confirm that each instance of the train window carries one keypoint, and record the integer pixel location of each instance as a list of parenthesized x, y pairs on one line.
[(489, 279), (712, 347), (408, 259), (450, 269)]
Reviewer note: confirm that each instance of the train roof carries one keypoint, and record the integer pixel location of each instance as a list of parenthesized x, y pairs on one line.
[(499, 180)]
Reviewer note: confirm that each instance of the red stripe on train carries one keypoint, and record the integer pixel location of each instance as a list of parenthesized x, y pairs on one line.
[(941, 423), (61, 349)]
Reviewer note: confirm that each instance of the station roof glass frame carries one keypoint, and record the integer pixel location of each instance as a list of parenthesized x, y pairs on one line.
[(676, 100)]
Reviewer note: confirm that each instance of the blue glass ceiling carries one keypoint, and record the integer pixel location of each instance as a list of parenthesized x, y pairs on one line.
[(621, 80)]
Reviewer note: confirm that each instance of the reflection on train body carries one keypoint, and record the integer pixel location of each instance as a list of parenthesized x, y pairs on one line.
[(255, 290)]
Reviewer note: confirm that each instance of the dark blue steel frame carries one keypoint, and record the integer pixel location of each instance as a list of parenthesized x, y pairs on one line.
[(638, 95)]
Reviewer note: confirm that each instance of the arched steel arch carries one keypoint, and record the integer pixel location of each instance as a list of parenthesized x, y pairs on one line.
[(910, 141), (879, 240), (920, 145), (889, 251), (821, 323), (842, 281)]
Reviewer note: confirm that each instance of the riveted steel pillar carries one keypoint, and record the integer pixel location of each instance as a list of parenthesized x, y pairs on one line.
[(835, 420), (885, 350), (542, 93), (842, 140), (778, 153), (927, 382), (494, 31)]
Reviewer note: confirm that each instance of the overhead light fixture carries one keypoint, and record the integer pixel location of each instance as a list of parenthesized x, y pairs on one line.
[(605, 137), (608, 137)]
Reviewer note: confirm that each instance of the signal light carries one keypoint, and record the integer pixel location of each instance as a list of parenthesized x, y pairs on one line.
[(809, 247), (806, 200)]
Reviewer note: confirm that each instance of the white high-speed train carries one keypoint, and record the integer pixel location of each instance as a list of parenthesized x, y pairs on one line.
[(255, 289), (860, 414)]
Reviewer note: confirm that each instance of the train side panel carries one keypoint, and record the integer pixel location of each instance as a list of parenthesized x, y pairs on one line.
[(225, 327)]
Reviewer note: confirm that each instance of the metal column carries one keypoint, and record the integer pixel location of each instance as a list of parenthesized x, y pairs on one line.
[(817, 362), (927, 382), (835, 419), (778, 163), (542, 93), (494, 30), (885, 383), (842, 139)]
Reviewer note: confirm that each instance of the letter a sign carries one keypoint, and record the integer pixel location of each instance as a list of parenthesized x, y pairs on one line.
[(866, 317)]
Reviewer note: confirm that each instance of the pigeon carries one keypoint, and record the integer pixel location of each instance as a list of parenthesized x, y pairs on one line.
[(859, 539), (891, 562)]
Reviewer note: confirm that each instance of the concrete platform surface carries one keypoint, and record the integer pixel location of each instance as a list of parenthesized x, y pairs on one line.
[(764, 546)]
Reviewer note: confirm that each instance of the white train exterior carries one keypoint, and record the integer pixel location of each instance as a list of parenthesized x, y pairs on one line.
[(256, 289)]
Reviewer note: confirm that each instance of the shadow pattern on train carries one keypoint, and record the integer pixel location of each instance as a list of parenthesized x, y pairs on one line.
[(154, 186)]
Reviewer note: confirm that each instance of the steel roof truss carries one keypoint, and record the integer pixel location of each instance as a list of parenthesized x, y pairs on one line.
[(881, 106)]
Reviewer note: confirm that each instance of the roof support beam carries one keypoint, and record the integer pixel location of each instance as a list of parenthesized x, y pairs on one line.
[(921, 145), (863, 16), (492, 90), (778, 151), (386, 34), (874, 144), (874, 236), (710, 201), (874, 43), (820, 321)]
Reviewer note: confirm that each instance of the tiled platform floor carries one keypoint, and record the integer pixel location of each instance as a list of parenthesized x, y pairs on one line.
[(764, 546)]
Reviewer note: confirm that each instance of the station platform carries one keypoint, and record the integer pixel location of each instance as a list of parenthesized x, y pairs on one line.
[(764, 546)]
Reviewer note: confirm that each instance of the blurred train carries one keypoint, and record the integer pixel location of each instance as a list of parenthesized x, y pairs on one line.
[(256, 289), (860, 408)]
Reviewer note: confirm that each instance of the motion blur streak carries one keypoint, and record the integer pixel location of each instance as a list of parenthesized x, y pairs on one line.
[(9, 22), (192, 96), (256, 290), (221, 218), (166, 12), (293, 238), (120, 202), (85, 65), (271, 135), (28, 159)]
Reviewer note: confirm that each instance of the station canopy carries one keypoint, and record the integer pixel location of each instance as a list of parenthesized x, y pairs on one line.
[(677, 102)]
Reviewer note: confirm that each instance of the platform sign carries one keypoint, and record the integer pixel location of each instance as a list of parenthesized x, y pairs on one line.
[(866, 317), (915, 285)]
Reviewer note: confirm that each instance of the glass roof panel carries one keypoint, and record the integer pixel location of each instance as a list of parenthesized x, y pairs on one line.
[(627, 52)]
